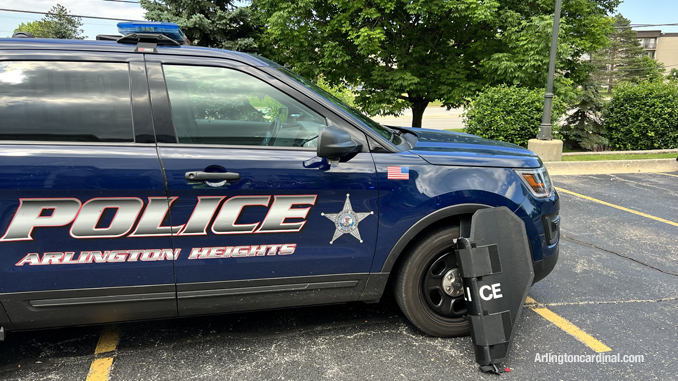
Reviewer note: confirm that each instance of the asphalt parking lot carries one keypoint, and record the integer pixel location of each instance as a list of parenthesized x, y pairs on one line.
[(616, 284)]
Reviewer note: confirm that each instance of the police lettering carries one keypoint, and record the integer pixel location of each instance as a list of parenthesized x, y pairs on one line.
[(242, 251), (112, 256), (85, 218), (153, 255), (490, 292)]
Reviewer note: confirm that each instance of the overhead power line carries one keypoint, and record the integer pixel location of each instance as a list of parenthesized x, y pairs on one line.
[(123, 1), (630, 26), (84, 17), (645, 25), (644, 68)]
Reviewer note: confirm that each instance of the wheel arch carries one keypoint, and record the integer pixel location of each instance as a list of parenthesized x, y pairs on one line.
[(437, 217), (376, 283)]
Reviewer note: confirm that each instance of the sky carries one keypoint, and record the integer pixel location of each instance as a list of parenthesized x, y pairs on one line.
[(651, 12), (638, 11), (99, 8)]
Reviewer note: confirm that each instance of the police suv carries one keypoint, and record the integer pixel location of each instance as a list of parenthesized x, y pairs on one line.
[(142, 178)]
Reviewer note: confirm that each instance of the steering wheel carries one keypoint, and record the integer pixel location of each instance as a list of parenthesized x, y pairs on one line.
[(272, 132)]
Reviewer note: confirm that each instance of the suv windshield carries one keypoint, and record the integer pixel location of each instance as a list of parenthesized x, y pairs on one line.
[(386, 132)]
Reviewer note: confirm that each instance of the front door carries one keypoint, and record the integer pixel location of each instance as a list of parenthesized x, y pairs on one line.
[(261, 221)]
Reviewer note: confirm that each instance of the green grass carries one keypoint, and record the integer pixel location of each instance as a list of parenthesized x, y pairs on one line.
[(621, 157), (456, 129)]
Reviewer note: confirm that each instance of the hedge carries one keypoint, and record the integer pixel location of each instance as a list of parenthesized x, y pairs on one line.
[(642, 116), (509, 113)]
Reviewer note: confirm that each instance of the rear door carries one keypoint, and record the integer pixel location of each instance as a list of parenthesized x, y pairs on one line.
[(82, 197), (262, 222)]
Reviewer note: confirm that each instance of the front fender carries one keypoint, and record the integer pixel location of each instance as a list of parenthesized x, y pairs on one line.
[(432, 193)]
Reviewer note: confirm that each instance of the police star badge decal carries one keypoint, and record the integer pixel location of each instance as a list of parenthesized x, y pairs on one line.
[(346, 221)]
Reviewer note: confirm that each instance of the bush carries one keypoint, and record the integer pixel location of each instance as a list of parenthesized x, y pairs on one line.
[(643, 116), (584, 126), (508, 113)]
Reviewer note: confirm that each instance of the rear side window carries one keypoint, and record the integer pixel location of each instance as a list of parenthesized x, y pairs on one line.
[(65, 101)]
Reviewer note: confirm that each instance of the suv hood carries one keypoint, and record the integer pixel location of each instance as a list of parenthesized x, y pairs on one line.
[(459, 149)]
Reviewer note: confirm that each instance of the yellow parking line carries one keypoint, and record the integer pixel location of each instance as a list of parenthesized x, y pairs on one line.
[(618, 207), (568, 327), (666, 174), (99, 369), (101, 366), (108, 340)]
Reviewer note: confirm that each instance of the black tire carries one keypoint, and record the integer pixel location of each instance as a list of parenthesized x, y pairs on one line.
[(415, 291)]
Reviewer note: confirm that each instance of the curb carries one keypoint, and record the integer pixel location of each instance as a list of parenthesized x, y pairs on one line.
[(602, 167), (644, 152)]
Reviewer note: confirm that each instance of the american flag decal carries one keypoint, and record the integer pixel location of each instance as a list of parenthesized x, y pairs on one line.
[(398, 173)]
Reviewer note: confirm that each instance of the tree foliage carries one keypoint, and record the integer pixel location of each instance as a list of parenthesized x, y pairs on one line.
[(673, 75), (211, 23), (509, 113), (584, 126), (643, 116), (407, 54), (644, 68), (342, 93), (623, 52), (39, 29), (57, 23)]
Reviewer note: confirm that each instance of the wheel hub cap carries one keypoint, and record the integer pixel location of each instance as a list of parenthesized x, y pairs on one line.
[(452, 284)]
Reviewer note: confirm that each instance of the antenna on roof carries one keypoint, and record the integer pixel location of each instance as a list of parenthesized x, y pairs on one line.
[(22, 35)]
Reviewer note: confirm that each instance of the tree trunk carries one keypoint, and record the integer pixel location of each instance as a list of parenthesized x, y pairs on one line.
[(418, 108)]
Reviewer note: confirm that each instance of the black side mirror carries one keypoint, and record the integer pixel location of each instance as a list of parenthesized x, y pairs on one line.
[(335, 143)]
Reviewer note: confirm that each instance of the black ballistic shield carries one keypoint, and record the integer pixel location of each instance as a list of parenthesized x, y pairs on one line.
[(496, 267)]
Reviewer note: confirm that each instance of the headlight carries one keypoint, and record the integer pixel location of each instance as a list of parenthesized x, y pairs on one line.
[(537, 181)]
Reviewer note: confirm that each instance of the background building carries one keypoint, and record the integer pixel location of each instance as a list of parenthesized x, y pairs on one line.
[(661, 46)]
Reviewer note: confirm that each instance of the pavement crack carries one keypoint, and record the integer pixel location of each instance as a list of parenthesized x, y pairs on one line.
[(588, 244), (541, 305), (644, 185)]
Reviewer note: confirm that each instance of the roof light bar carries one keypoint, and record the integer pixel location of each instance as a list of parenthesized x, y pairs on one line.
[(168, 29)]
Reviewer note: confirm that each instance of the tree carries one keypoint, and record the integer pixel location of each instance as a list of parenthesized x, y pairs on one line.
[(407, 54), (57, 23), (644, 68), (211, 23), (62, 25), (39, 28), (342, 93), (622, 52), (584, 126)]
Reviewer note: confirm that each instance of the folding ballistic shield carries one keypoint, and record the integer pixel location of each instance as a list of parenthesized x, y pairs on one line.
[(496, 267)]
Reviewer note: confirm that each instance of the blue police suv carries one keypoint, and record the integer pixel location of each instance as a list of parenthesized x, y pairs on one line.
[(142, 178)]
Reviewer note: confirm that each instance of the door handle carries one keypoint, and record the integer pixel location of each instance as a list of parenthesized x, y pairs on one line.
[(203, 176)]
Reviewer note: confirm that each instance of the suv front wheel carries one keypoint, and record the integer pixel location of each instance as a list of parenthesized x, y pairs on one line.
[(428, 287)]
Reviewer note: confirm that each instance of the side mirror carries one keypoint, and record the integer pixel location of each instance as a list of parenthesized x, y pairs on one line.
[(335, 143)]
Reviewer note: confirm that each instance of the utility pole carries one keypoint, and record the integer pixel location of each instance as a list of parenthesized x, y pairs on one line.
[(545, 129), (544, 145)]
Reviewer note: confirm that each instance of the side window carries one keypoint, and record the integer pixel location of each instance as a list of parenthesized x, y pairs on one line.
[(212, 105), (65, 101)]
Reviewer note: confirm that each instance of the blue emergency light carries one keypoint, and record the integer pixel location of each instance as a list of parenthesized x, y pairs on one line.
[(168, 29)]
